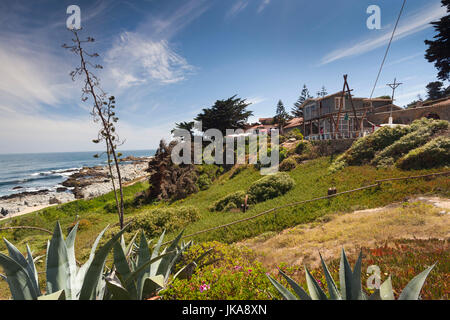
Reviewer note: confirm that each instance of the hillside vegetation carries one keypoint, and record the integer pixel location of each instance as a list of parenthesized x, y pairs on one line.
[(423, 144)]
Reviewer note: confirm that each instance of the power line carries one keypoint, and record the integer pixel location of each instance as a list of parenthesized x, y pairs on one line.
[(387, 49)]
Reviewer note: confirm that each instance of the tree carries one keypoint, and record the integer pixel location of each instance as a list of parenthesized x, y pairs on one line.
[(435, 90), (225, 114), (296, 111), (189, 126), (322, 93), (439, 49), (281, 116), (167, 180), (102, 112)]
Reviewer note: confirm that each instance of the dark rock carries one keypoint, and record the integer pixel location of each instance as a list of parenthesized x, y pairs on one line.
[(54, 201), (4, 212), (61, 189), (17, 188)]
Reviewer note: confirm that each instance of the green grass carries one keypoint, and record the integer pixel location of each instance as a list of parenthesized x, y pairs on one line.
[(312, 180)]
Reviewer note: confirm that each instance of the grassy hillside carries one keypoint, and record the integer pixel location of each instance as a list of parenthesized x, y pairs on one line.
[(312, 180)]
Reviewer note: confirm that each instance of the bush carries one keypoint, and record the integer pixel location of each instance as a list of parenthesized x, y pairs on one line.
[(424, 129), (435, 153), (236, 198), (288, 164), (271, 187), (364, 149), (204, 182), (226, 273), (155, 221), (230, 206), (302, 147), (295, 133), (83, 224)]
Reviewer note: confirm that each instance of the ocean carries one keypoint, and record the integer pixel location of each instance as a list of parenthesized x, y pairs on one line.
[(38, 171)]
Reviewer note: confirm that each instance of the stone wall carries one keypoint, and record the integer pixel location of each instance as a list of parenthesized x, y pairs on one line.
[(406, 116)]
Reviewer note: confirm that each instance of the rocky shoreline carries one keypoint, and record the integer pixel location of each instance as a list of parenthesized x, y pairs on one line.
[(86, 183)]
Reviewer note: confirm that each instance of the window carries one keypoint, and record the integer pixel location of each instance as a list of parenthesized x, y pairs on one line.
[(338, 101)]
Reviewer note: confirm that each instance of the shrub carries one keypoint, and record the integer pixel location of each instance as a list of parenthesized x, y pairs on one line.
[(227, 272), (288, 164), (295, 133), (204, 182), (435, 153), (155, 221), (301, 147), (424, 129), (270, 187), (236, 198), (230, 206), (83, 224), (364, 149)]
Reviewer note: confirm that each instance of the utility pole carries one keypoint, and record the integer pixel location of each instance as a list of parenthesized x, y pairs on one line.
[(393, 86)]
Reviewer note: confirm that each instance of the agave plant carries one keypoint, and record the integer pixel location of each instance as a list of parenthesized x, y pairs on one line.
[(350, 282), (64, 279), (137, 275)]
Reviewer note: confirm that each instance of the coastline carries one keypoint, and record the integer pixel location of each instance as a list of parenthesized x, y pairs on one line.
[(86, 183)]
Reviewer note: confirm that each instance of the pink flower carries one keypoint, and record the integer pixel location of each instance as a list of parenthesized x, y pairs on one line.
[(204, 287), (237, 267)]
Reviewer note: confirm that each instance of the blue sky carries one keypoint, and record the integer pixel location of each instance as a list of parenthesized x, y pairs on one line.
[(165, 60)]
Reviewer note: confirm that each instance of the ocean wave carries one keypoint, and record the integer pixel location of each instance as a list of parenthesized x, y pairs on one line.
[(30, 179)]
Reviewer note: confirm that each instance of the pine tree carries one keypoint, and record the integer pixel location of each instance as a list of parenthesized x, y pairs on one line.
[(438, 50), (435, 90), (281, 116), (296, 111)]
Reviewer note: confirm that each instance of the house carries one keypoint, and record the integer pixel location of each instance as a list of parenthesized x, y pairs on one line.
[(267, 124), (340, 115)]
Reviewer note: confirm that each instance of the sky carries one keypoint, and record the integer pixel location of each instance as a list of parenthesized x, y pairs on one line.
[(166, 60)]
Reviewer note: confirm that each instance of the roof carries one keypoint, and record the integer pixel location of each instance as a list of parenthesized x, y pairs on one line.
[(340, 93), (295, 122)]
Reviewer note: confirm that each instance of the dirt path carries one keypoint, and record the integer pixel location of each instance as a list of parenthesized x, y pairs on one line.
[(421, 217)]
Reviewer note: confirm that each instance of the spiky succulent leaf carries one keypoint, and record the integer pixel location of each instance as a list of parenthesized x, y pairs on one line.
[(345, 277), (19, 282), (413, 288), (357, 293), (297, 289), (155, 253), (57, 263), (143, 259), (32, 272), (123, 268), (152, 285), (118, 292), (58, 295), (282, 290), (15, 254), (168, 261), (332, 288), (386, 292), (93, 274), (315, 291)]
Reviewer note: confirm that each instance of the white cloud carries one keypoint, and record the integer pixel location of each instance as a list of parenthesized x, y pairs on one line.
[(27, 82), (237, 8), (255, 100), (263, 5), (135, 59), (36, 133), (407, 26)]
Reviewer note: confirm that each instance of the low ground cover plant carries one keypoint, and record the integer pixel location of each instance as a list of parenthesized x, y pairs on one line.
[(156, 221)]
